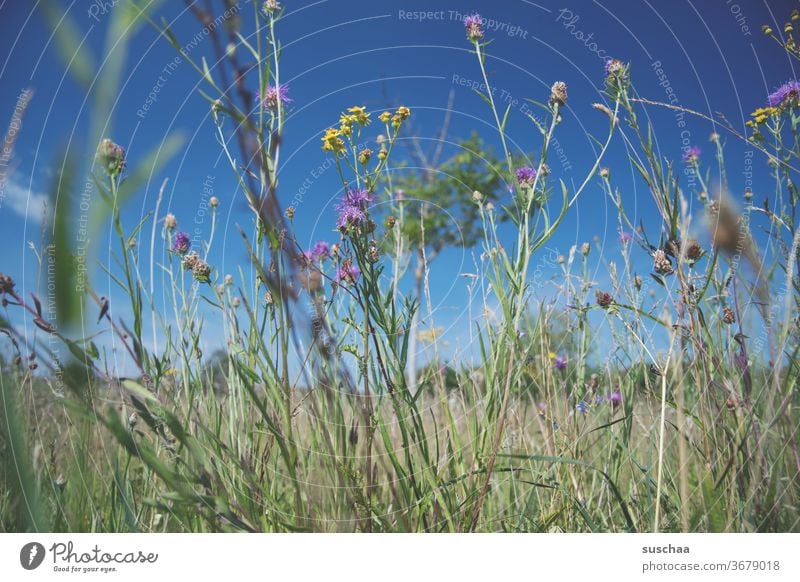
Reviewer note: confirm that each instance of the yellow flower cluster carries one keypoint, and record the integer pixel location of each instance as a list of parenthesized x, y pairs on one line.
[(761, 115), (359, 116), (331, 142)]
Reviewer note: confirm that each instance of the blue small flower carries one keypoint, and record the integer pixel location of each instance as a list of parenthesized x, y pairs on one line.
[(582, 407)]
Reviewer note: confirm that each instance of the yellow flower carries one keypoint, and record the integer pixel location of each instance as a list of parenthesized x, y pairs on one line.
[(360, 115), (403, 112), (551, 355), (385, 117), (331, 142)]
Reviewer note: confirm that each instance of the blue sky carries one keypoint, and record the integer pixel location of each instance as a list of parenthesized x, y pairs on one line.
[(712, 55)]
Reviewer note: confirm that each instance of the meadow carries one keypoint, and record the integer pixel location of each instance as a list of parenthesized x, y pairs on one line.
[(664, 401)]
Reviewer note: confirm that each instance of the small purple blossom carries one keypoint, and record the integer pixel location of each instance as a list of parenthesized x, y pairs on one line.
[(624, 237), (321, 250), (400, 195), (613, 67), (598, 400), (526, 176), (474, 27), (182, 243), (582, 407), (692, 155), (353, 208), (275, 94), (615, 397), (560, 363), (789, 91), (349, 274)]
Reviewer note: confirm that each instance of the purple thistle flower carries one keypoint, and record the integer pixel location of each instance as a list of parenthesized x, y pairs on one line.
[(692, 155), (613, 67), (275, 94), (615, 397), (353, 208), (182, 243), (624, 237), (582, 407), (321, 250), (786, 93), (526, 176), (349, 273), (560, 363), (474, 27)]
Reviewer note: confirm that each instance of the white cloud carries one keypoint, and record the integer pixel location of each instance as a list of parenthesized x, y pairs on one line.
[(21, 200)]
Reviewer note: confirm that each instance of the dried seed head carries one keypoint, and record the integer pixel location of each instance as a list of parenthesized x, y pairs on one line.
[(290, 212), (604, 299), (170, 222), (201, 271), (728, 315), (585, 248), (693, 250), (661, 263), (558, 94), (6, 283), (637, 282), (213, 202)]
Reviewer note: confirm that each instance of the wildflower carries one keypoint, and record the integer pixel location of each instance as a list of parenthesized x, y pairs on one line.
[(661, 263), (582, 407), (220, 289), (321, 250), (359, 115), (614, 67), (558, 94), (403, 112), (390, 222), (598, 400), (111, 157), (615, 398), (766, 30), (334, 250), (385, 117), (637, 282), (290, 212), (6, 283), (364, 156), (383, 154), (349, 273), (714, 137), (692, 155), (170, 222), (268, 299), (271, 6), (201, 271), (400, 195), (748, 195), (624, 237), (526, 176), (604, 299), (560, 259), (605, 173), (331, 142), (728, 315), (213, 202), (353, 209), (474, 27), (235, 302), (181, 244), (560, 363), (585, 248), (477, 196), (542, 406), (276, 95), (787, 94), (229, 280), (190, 260)]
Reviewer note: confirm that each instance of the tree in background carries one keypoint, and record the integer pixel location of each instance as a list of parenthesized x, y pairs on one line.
[(437, 201)]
